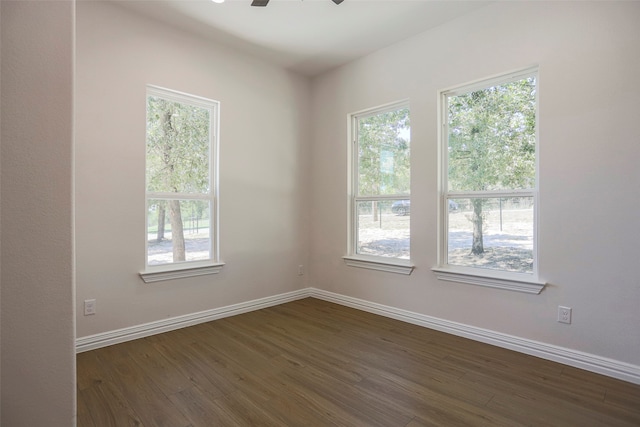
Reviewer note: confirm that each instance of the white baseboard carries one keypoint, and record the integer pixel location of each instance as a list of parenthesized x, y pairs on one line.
[(105, 339), (578, 359)]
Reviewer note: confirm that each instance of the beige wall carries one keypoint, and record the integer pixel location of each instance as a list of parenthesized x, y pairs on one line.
[(589, 59), (38, 363), (264, 156)]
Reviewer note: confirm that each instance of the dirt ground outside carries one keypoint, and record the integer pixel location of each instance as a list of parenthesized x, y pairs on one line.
[(197, 247), (507, 238)]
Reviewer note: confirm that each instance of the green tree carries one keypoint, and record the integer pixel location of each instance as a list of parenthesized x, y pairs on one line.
[(383, 157), (177, 159), (491, 144)]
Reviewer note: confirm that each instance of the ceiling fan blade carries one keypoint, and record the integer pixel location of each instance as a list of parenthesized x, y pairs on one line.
[(338, 1)]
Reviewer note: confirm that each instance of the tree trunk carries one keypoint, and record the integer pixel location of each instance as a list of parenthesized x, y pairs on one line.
[(175, 216), (374, 208), (161, 220), (177, 232), (477, 247)]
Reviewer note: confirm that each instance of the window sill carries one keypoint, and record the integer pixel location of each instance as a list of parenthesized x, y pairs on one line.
[(510, 283), (170, 274), (390, 266)]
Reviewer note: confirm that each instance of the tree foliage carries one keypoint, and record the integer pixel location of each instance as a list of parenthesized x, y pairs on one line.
[(491, 143), (492, 138), (383, 157), (177, 147)]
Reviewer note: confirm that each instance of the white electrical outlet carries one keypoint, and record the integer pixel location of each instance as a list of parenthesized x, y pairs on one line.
[(89, 307), (564, 314), (300, 270)]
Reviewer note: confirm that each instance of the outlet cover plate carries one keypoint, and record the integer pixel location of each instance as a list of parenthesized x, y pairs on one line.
[(564, 314), (89, 307)]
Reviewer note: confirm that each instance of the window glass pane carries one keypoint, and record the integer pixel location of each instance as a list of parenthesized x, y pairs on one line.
[(492, 138), (178, 139), (383, 228), (178, 230), (383, 157), (492, 233)]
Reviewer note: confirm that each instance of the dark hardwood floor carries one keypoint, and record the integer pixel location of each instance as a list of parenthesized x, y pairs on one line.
[(314, 363)]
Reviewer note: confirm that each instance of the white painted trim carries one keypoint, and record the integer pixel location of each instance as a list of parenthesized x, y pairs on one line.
[(179, 273), (590, 362), (480, 278), (211, 196), (492, 80), (352, 181), (393, 265), (507, 283), (105, 339), (566, 356)]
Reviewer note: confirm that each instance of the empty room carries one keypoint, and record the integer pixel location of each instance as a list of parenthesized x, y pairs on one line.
[(320, 212)]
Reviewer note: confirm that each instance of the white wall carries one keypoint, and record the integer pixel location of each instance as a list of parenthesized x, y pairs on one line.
[(38, 353), (263, 163), (589, 59)]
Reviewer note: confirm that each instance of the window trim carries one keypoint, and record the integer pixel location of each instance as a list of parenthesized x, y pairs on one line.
[(180, 273), (353, 259), (213, 265), (392, 265), (520, 282)]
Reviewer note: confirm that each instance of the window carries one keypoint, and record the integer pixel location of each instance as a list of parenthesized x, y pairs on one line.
[(181, 202), (379, 189), (489, 183)]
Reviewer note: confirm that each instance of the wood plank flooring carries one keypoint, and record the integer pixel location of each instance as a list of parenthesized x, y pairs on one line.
[(314, 363)]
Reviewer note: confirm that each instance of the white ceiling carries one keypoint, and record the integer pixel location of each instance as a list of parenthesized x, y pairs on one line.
[(306, 36)]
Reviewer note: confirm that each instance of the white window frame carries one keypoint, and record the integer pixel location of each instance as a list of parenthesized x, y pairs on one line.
[(521, 282), (353, 259), (213, 265)]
